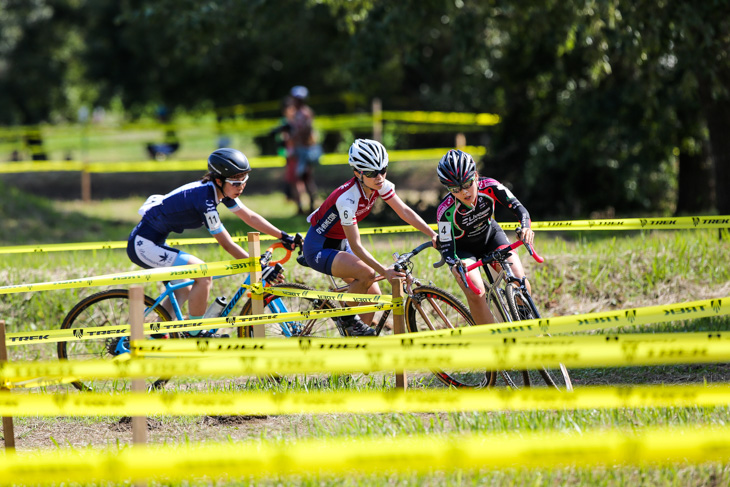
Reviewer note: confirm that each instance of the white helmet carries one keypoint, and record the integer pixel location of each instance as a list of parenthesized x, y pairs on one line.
[(368, 155)]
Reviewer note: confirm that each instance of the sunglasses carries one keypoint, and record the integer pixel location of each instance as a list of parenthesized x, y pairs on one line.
[(237, 183), (374, 174), (466, 185)]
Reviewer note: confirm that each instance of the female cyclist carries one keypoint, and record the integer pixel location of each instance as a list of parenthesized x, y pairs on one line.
[(192, 206), (332, 245), (466, 226)]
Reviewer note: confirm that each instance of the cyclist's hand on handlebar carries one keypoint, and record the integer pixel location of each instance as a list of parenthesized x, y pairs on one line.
[(273, 274), (391, 273), (435, 241), (526, 235), (288, 241)]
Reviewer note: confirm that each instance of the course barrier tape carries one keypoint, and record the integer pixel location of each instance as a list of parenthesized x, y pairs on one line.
[(372, 455), (236, 347), (372, 402), (433, 154), (595, 321), (678, 223), (451, 354), (222, 268), (104, 332)]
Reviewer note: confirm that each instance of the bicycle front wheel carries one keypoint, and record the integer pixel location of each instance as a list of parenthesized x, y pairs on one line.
[(111, 309), (519, 305), (301, 326), (431, 308)]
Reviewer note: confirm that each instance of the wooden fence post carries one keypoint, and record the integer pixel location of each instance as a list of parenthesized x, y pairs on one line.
[(85, 185), (377, 120), (257, 301), (136, 320), (460, 141), (399, 328), (8, 430)]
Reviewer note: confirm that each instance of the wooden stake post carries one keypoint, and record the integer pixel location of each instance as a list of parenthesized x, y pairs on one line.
[(8, 430), (257, 301), (136, 320), (399, 328)]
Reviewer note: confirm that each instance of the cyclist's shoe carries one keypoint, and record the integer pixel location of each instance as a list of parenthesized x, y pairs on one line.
[(205, 334), (354, 326), (160, 336)]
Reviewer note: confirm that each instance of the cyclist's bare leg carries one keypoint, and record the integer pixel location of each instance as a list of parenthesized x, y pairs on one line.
[(518, 270), (198, 296), (477, 304), (359, 276)]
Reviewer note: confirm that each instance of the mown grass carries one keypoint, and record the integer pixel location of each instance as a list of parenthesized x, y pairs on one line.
[(582, 273)]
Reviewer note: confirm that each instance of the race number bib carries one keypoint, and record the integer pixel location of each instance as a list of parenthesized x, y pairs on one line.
[(445, 231), (213, 221)]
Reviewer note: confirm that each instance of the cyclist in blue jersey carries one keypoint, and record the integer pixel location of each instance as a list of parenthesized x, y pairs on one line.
[(467, 228), (332, 245), (192, 206)]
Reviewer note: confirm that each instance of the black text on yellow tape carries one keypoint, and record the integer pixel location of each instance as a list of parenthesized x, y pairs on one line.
[(223, 268), (372, 455), (314, 402), (490, 355)]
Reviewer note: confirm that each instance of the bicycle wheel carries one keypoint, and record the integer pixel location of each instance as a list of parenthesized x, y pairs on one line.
[(315, 327), (431, 308), (107, 308), (518, 302)]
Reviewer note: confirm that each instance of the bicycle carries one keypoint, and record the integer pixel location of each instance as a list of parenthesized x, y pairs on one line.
[(426, 307), (507, 295), (111, 308)]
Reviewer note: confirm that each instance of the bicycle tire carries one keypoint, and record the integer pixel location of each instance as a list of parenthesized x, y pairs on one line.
[(440, 310), (325, 327), (558, 378), (106, 308)]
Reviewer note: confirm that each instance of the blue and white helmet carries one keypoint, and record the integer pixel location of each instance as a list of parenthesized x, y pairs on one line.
[(368, 155)]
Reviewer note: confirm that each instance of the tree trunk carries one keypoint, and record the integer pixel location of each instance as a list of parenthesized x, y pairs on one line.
[(696, 187), (717, 113)]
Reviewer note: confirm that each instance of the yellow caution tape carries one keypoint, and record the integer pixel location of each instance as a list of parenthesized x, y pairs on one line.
[(484, 119), (447, 354), (371, 455), (678, 223), (341, 402), (598, 321), (104, 332), (222, 268)]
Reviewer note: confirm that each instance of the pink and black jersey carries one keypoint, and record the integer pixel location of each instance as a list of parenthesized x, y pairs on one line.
[(461, 227), (347, 205)]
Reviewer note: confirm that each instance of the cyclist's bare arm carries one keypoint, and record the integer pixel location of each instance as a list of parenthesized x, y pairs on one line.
[(352, 232), (409, 216)]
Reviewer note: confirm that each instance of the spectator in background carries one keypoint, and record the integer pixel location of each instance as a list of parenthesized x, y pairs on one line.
[(285, 149), (306, 149)]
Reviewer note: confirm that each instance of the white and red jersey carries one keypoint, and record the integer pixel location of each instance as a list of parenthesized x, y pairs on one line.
[(347, 205)]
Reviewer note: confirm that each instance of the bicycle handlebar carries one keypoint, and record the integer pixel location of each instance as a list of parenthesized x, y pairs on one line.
[(491, 257), (400, 263)]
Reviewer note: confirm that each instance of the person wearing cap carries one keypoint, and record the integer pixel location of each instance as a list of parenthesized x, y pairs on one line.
[(194, 205), (306, 149)]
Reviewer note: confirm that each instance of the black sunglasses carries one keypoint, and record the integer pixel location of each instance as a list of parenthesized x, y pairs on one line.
[(466, 185), (374, 174)]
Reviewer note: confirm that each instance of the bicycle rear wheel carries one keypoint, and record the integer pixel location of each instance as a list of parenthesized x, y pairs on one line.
[(107, 308), (313, 327), (519, 305), (431, 308)]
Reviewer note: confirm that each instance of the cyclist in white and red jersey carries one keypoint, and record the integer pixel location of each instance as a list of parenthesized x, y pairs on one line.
[(332, 245), (467, 228), (192, 206)]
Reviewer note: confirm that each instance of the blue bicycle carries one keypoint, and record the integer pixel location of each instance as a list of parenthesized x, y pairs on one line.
[(111, 309)]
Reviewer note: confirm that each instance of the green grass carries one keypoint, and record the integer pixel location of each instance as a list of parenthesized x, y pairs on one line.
[(583, 273)]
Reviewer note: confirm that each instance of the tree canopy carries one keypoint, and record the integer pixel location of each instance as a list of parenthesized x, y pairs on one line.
[(605, 105)]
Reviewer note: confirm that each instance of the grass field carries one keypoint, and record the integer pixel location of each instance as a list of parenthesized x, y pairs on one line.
[(583, 272)]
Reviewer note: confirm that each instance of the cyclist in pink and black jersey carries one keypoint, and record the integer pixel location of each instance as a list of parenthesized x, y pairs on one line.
[(332, 245), (466, 225)]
